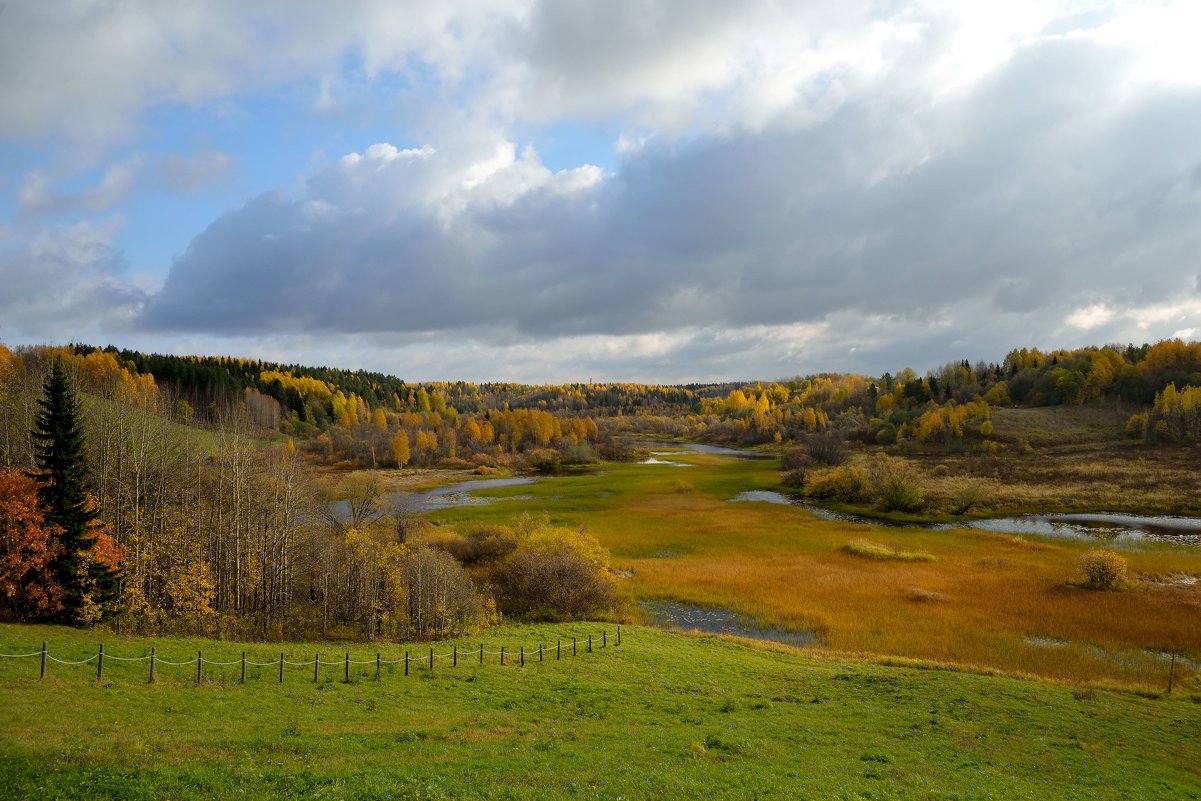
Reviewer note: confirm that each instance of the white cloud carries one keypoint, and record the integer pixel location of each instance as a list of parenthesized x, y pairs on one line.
[(1091, 317)]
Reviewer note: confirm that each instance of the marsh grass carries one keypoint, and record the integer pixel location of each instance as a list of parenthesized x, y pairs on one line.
[(785, 569), (874, 550)]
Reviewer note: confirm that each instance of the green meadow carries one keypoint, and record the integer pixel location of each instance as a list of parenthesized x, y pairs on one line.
[(662, 716)]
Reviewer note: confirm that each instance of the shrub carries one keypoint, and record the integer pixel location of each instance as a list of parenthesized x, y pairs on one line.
[(846, 483), (554, 573), (552, 585), (794, 459), (964, 493), (828, 449), (482, 544), (795, 479), (1103, 570), (897, 486)]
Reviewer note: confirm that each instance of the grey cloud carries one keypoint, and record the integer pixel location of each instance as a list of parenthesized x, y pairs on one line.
[(38, 195), (1037, 193), (65, 282)]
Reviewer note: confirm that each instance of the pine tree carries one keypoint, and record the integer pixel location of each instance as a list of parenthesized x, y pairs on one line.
[(89, 583)]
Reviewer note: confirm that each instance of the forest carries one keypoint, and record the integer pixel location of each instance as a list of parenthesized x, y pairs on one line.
[(225, 497)]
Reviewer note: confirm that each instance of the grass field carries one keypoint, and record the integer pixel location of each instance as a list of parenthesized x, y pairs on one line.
[(661, 716), (975, 599)]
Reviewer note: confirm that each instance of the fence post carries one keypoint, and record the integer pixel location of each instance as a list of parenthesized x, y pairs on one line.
[(153, 654), (502, 654), (481, 653), (540, 659), (523, 656), (604, 639), (377, 665), (619, 635), (199, 666), (43, 675), (100, 664), (1171, 673), (316, 667), (558, 650), (455, 663), (406, 663), (347, 667), (573, 648), (589, 643), (281, 667), (243, 667), (431, 660)]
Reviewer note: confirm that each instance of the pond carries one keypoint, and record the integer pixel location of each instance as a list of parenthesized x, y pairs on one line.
[(1119, 530), (447, 496), (663, 447), (716, 620)]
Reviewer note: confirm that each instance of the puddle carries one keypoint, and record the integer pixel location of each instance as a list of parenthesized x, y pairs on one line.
[(762, 496), (716, 620), (653, 460), (1134, 658), (661, 447)]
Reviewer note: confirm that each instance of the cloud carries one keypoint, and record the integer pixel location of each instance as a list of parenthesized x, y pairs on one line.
[(1044, 189), (65, 283), (853, 185), (184, 175), (38, 195)]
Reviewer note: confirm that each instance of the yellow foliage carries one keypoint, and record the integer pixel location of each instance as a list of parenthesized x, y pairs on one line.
[(544, 538)]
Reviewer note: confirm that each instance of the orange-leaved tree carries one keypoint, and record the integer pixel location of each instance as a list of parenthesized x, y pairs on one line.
[(29, 545)]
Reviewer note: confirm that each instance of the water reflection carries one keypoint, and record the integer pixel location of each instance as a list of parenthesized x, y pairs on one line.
[(1121, 530), (716, 620), (447, 496)]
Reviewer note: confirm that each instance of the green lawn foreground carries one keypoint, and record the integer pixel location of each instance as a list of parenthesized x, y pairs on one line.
[(662, 716)]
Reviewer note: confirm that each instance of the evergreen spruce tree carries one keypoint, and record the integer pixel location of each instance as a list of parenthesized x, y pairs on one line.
[(63, 494)]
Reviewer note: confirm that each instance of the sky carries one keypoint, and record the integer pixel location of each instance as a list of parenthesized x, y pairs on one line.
[(662, 191)]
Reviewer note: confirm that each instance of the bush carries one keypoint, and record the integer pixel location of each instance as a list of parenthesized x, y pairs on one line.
[(964, 493), (550, 585), (794, 459), (479, 545), (794, 479), (897, 486), (1103, 570), (554, 573), (828, 449), (846, 483)]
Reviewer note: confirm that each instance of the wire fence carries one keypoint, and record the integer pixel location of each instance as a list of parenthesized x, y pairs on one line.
[(426, 661)]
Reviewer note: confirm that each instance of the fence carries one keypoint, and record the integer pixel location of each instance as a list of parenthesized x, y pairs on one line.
[(424, 661)]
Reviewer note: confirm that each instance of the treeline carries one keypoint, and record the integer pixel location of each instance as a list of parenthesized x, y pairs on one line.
[(951, 405), (371, 419), (222, 533)]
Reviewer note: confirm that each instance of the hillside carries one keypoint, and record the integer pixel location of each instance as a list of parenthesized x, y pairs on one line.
[(661, 716)]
